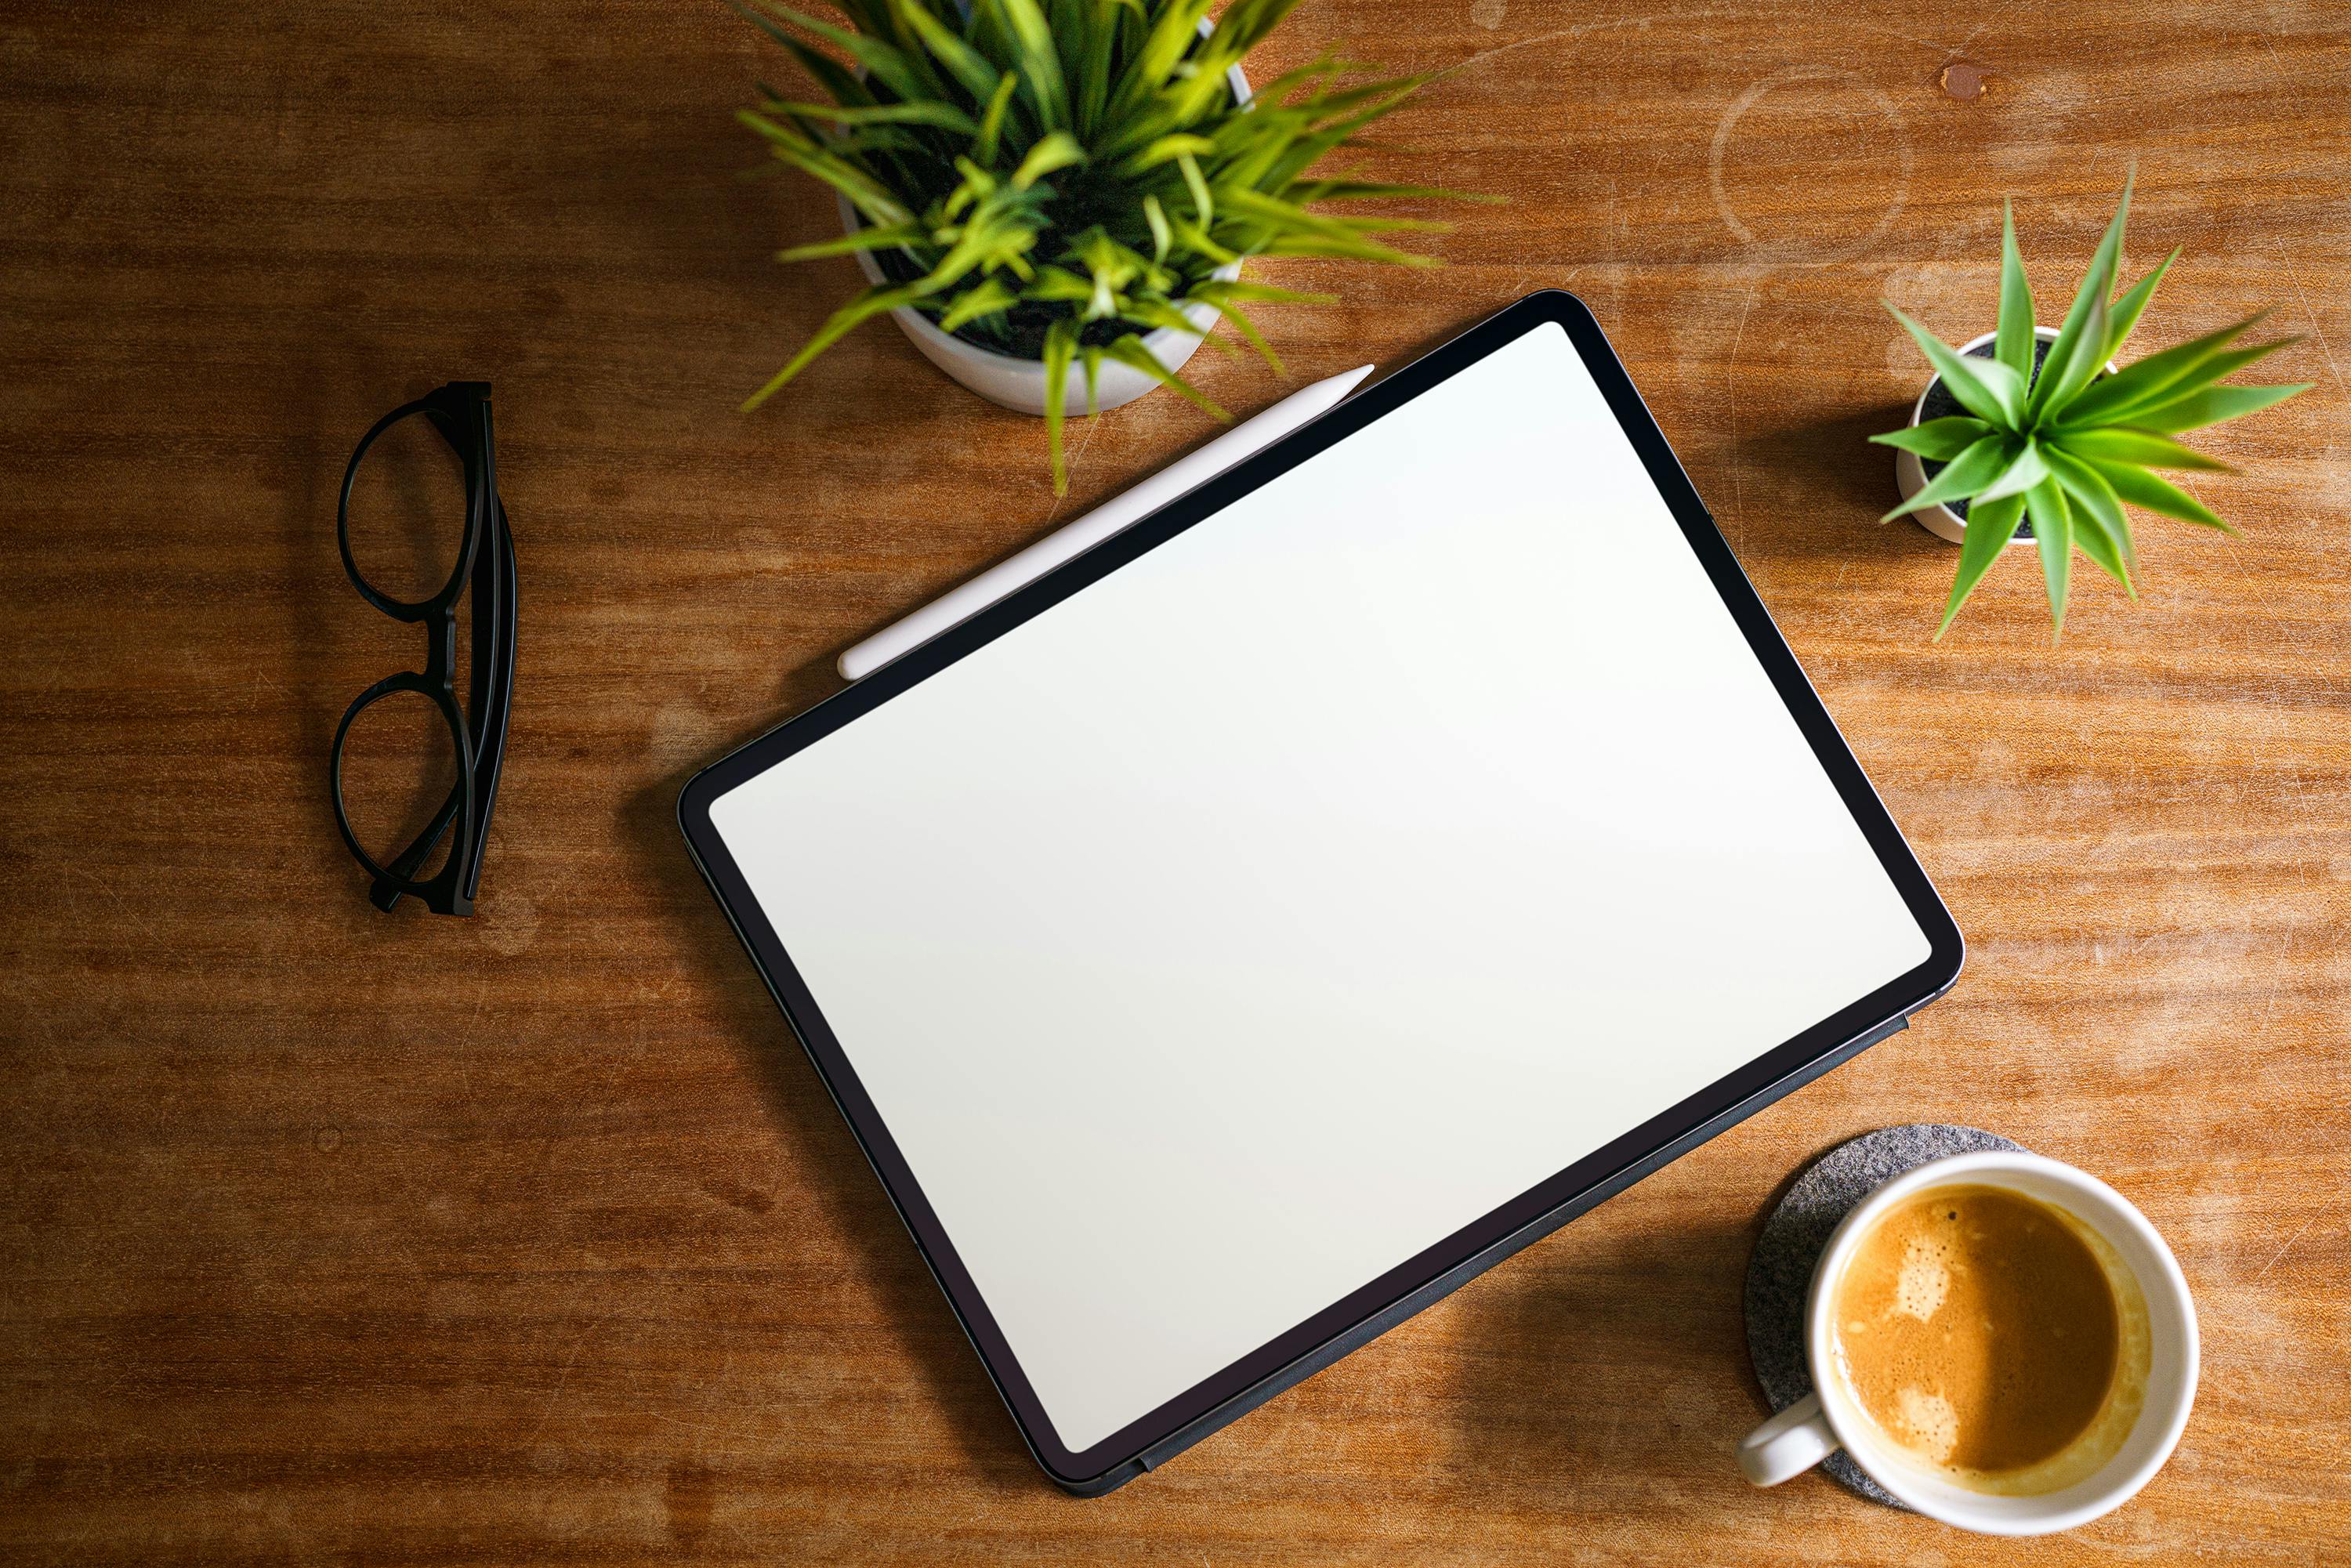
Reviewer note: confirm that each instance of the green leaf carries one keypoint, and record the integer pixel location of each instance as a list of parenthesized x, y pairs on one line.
[(1248, 329), (990, 298), (1161, 236), (1196, 238), (868, 238), (1373, 226), (1265, 293), (2181, 384), (1321, 68), (2127, 309), (2099, 527), (883, 61), (1985, 388), (2120, 443), (991, 120), (1061, 344), (826, 72), (966, 65), (1158, 314), (1057, 151), (945, 115), (2212, 405), (1305, 191), (1171, 35), (1940, 439), (2141, 488), (1058, 283), (2144, 381), (1092, 358), (1338, 133), (1246, 23), (1041, 65), (2097, 285), (1165, 150), (866, 139), (1990, 527), (1969, 471), (874, 203), (1289, 230), (2025, 470), (1200, 88), (2093, 539), (791, 136), (872, 15), (2014, 342), (2069, 369), (1342, 249), (2052, 530), (1204, 209), (1095, 23), (872, 302), (1129, 351)]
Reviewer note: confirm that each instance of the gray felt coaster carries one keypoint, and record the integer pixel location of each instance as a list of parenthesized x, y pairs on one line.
[(1780, 1274)]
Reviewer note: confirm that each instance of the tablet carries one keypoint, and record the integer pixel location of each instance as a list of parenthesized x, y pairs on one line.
[(1233, 941)]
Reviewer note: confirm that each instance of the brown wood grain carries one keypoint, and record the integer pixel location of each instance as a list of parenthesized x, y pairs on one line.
[(332, 1237)]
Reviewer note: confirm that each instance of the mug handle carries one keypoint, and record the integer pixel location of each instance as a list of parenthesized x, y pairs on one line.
[(1787, 1445)]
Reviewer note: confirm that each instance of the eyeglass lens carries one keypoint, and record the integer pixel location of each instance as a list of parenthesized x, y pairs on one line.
[(401, 761), (407, 529), (407, 512)]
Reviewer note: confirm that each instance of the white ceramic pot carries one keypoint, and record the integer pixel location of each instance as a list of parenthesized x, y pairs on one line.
[(1910, 473), (1019, 384)]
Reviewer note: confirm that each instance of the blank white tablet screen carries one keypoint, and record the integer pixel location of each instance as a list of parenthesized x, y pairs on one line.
[(1316, 883)]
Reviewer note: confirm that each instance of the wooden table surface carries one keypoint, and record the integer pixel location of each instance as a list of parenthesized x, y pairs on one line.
[(328, 1236)]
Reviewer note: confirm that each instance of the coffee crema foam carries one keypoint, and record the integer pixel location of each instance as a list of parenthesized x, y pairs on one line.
[(1992, 1339)]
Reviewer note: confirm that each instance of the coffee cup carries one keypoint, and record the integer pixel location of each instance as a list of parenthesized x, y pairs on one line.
[(2015, 1246)]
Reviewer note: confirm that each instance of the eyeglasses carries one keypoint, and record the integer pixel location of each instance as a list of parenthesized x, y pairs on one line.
[(407, 519)]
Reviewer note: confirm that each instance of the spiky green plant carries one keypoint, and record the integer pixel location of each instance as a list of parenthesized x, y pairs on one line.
[(1055, 178), (2065, 446)]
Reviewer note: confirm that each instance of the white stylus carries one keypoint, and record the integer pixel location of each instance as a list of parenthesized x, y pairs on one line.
[(959, 604)]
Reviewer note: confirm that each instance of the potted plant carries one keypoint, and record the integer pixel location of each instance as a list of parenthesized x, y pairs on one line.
[(1032, 189), (2027, 433)]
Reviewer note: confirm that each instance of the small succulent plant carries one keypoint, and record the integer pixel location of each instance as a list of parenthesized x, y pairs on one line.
[(1054, 178), (2067, 443)]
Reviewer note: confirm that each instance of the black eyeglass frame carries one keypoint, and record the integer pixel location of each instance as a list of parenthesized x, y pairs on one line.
[(460, 411)]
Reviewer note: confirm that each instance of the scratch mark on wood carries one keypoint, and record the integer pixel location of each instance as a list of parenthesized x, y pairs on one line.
[(1583, 30), (1092, 425), (1738, 478), (2287, 1248), (2292, 275), (546, 1405)]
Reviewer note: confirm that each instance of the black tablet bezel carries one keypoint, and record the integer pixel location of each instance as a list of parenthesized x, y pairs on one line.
[(1435, 1272)]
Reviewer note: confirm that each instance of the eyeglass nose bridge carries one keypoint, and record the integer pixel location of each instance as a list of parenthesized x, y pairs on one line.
[(441, 653)]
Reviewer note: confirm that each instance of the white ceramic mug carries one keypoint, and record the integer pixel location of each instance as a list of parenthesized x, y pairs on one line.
[(1830, 1419)]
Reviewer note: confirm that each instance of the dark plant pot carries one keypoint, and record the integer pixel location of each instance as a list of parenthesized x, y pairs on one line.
[(1911, 472)]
